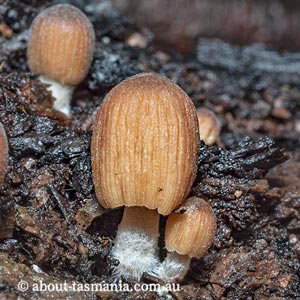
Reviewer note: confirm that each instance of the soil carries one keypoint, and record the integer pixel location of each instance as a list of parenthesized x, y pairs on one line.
[(51, 225)]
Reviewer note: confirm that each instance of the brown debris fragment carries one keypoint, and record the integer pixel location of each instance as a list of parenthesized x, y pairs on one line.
[(87, 213), (5, 30)]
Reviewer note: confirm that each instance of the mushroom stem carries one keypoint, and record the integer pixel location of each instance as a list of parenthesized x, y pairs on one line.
[(135, 245), (62, 94), (173, 268)]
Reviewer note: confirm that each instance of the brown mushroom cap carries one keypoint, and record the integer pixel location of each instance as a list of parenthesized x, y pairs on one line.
[(145, 145), (3, 154), (209, 126), (61, 44), (192, 232)]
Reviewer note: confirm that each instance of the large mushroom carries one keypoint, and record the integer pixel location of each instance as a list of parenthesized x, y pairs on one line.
[(144, 156)]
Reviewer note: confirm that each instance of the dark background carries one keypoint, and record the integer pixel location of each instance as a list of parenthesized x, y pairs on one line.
[(180, 23)]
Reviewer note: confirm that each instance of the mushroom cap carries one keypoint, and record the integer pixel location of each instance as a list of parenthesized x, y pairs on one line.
[(145, 145), (61, 44), (191, 232), (3, 154), (209, 126)]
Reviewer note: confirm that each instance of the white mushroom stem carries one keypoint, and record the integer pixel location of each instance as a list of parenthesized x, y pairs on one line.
[(62, 94), (173, 268), (135, 245)]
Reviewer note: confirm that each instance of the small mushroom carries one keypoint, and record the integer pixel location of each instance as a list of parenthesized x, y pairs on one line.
[(209, 126), (144, 156), (188, 234), (60, 50), (3, 154)]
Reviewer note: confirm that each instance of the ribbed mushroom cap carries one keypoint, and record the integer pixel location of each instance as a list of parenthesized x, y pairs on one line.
[(145, 145), (61, 44), (3, 154), (192, 232)]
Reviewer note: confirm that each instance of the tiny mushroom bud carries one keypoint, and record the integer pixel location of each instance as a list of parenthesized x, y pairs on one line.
[(188, 234), (144, 156), (3, 154), (60, 50), (209, 126)]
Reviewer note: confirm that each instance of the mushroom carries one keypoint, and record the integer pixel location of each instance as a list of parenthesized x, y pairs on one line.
[(189, 233), (209, 125), (3, 154), (144, 156), (60, 50)]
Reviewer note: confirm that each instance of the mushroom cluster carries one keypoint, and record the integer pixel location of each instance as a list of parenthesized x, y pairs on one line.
[(60, 50), (145, 147)]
